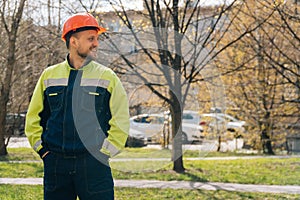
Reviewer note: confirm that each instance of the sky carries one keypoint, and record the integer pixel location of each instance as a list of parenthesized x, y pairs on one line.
[(138, 4), (70, 6)]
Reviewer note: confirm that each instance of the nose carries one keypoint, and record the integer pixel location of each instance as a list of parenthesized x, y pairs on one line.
[(95, 43)]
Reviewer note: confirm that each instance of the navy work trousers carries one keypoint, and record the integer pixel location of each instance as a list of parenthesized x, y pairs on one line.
[(83, 176)]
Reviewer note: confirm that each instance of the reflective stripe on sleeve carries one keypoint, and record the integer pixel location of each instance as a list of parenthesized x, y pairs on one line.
[(56, 82), (37, 145), (110, 147), (94, 82)]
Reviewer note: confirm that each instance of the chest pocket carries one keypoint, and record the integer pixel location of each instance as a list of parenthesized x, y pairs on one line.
[(55, 96), (93, 98)]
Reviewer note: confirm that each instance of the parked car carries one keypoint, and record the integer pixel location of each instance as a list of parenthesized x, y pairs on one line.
[(149, 125), (213, 123), (154, 125), (15, 124), (190, 117), (191, 124)]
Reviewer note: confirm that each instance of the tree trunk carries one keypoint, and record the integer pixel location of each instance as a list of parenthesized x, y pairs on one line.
[(3, 150), (219, 143), (176, 133), (266, 143), (10, 63), (5, 91)]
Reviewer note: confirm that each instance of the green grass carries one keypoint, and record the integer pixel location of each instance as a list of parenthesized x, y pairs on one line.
[(18, 154), (166, 153), (271, 171), (21, 192), (256, 171), (21, 170)]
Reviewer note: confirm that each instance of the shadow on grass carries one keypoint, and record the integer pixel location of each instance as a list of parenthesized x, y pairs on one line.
[(191, 175), (18, 157), (194, 175), (5, 158)]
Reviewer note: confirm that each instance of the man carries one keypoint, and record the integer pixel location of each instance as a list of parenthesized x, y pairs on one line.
[(78, 117)]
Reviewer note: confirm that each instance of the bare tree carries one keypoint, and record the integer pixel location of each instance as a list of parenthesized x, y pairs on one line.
[(185, 39), (267, 61), (36, 46), (11, 16), (286, 45)]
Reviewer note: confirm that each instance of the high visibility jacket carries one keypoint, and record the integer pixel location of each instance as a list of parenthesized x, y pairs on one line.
[(72, 111)]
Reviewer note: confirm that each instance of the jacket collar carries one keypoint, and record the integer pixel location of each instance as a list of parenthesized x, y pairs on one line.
[(85, 63)]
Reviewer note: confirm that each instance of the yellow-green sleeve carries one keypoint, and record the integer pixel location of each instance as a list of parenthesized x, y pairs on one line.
[(119, 123), (33, 129)]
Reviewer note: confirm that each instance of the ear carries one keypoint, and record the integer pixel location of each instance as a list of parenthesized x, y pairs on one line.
[(73, 41)]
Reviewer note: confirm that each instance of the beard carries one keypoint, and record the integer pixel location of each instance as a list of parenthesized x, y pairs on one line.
[(82, 55), (90, 55), (87, 57)]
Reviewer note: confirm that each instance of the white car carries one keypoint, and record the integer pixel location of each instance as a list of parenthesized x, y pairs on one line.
[(154, 125), (219, 122), (190, 117)]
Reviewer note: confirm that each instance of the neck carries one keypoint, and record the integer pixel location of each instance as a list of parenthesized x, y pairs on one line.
[(76, 61)]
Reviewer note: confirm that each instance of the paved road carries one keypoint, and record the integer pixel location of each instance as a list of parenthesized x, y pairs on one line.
[(289, 189), (16, 142)]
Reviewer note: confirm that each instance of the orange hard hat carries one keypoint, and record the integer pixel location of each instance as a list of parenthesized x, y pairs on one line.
[(80, 20)]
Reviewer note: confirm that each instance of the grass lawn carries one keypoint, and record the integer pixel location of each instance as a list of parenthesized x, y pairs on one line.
[(270, 171), (21, 192), (259, 171), (28, 154), (20, 154)]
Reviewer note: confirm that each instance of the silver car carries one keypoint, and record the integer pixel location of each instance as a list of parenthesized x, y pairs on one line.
[(154, 126), (216, 123)]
